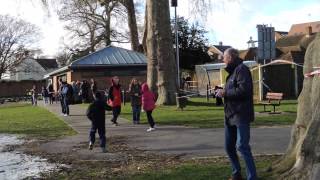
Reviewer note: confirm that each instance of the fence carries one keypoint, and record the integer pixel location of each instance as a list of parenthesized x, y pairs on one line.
[(19, 88)]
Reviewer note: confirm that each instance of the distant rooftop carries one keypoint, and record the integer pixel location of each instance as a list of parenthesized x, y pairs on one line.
[(110, 56), (282, 33), (47, 63), (218, 49), (298, 29)]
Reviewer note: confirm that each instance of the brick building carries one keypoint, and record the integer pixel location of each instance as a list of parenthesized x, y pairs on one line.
[(102, 65)]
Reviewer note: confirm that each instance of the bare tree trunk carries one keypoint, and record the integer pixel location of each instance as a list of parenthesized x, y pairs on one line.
[(107, 37), (160, 52), (302, 159), (167, 84), (132, 23), (150, 42), (92, 36)]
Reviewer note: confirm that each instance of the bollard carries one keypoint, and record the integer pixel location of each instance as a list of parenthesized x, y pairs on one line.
[(181, 101), (123, 98), (207, 93)]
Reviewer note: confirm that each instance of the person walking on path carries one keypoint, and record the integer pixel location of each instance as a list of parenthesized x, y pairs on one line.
[(76, 91), (67, 96), (59, 95), (85, 87), (93, 87), (96, 114), (51, 93), (34, 95), (45, 94), (239, 113), (148, 104), (115, 99), (135, 94)]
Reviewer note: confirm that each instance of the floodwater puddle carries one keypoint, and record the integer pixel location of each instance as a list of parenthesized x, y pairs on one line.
[(15, 165)]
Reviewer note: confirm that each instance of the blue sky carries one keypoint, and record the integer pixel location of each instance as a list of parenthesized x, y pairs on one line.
[(229, 21)]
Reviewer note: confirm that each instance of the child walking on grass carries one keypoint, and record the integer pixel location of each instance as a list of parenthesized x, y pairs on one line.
[(96, 114), (148, 104)]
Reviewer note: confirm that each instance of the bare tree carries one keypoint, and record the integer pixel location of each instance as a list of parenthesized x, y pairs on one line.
[(64, 57), (16, 39), (132, 23), (84, 28), (90, 21)]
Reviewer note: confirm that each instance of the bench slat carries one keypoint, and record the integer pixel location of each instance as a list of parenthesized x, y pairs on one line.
[(275, 94), (274, 98)]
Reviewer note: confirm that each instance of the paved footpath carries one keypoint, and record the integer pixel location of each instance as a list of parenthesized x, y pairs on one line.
[(180, 140)]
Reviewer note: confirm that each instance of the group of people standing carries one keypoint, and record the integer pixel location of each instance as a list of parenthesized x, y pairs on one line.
[(141, 98), (46, 92)]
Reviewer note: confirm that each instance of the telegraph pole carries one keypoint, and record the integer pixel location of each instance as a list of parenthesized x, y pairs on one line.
[(174, 3)]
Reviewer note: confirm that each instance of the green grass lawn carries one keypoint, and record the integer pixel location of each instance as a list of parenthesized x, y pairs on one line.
[(200, 113), (33, 121)]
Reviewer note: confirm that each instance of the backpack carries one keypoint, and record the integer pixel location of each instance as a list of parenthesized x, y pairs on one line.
[(64, 90)]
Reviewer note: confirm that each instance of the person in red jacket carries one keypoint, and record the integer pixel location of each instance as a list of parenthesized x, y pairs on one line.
[(148, 104), (115, 99)]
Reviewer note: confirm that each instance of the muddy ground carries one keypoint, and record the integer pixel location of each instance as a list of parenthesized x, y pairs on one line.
[(120, 162)]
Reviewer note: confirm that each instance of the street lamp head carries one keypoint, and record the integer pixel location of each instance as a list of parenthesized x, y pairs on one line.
[(174, 3)]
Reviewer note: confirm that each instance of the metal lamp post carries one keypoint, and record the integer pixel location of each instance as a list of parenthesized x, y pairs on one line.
[(174, 3)]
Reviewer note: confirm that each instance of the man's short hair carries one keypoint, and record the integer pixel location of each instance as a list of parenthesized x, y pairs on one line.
[(234, 53)]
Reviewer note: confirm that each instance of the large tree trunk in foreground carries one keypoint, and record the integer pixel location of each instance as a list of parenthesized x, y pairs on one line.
[(302, 159), (132, 23), (150, 43), (167, 76), (160, 51)]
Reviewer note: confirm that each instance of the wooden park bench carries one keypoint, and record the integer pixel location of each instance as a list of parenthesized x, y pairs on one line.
[(273, 99)]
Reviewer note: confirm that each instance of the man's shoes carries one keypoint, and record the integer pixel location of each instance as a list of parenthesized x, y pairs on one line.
[(90, 146), (104, 150), (114, 123)]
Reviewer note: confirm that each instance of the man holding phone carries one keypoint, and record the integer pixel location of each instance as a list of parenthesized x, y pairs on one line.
[(239, 113)]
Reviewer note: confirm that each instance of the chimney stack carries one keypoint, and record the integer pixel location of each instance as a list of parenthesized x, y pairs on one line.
[(309, 31), (220, 43)]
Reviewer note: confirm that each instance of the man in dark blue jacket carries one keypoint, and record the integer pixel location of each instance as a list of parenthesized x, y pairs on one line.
[(66, 97), (239, 112)]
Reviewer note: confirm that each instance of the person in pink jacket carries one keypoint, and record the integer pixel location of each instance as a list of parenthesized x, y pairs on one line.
[(148, 104)]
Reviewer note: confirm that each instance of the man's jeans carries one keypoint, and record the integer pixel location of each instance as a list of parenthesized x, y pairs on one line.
[(65, 105), (237, 138), (136, 113)]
